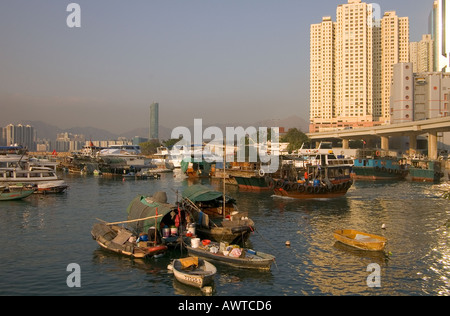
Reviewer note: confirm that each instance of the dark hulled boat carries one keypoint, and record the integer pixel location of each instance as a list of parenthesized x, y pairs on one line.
[(216, 220), (318, 174)]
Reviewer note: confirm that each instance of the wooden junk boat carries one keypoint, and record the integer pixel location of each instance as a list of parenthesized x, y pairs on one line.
[(121, 241), (315, 173), (193, 271), (216, 215), (360, 240), (233, 256)]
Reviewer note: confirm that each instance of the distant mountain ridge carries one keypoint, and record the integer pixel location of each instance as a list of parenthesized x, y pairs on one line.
[(48, 131)]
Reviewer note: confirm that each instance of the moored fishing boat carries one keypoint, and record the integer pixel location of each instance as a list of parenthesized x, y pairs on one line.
[(233, 256), (360, 240), (145, 212), (378, 165), (320, 175), (421, 170), (216, 215), (193, 271), (122, 241), (10, 194), (58, 186), (196, 169)]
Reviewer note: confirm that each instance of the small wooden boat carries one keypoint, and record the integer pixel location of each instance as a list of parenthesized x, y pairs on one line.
[(8, 194), (207, 209), (244, 258), (193, 271), (360, 240), (52, 187), (117, 239)]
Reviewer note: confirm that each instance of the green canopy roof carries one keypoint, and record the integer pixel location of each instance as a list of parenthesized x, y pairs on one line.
[(201, 193), (142, 207)]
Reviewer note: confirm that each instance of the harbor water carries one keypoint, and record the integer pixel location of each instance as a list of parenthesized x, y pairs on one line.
[(42, 235)]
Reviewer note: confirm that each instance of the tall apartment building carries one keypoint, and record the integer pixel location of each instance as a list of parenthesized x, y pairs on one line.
[(21, 135), (2, 136), (351, 65), (154, 121), (322, 103), (395, 49), (439, 21), (422, 54)]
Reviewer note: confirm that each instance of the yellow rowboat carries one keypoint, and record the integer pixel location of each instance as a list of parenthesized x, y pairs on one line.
[(360, 240)]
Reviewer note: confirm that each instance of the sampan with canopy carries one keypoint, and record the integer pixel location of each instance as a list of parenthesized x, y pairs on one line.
[(145, 206)]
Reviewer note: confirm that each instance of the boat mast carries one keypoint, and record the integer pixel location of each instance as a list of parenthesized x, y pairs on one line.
[(224, 160)]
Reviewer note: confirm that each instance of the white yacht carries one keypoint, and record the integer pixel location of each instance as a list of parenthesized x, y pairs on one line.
[(177, 154), (131, 154), (18, 170)]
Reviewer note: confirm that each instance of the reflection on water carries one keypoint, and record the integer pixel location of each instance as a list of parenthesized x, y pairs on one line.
[(43, 234)]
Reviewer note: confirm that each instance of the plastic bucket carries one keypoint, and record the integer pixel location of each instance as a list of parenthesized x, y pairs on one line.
[(195, 242)]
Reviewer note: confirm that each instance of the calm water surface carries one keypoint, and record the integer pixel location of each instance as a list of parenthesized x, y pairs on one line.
[(42, 235)]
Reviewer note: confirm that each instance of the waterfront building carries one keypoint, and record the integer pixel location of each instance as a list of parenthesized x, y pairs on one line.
[(422, 54), (351, 66), (419, 96), (154, 121)]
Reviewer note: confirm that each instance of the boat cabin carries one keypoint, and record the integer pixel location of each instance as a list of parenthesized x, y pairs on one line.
[(31, 175)]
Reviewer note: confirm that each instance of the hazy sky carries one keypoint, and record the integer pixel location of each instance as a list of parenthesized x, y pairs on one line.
[(225, 61)]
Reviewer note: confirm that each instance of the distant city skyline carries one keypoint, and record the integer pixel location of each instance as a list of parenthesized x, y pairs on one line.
[(236, 61)]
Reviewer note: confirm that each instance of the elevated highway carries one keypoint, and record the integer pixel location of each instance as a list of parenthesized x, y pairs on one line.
[(410, 129)]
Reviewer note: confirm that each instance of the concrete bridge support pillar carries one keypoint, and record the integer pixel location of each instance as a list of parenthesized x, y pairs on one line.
[(412, 144), (345, 144), (432, 145), (385, 142)]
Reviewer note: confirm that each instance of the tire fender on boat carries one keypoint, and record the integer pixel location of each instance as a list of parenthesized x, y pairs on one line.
[(279, 184)]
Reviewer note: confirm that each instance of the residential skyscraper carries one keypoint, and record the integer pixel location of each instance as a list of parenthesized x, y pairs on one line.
[(154, 122), (322, 51), (422, 54), (351, 65), (439, 24), (394, 50), (21, 135)]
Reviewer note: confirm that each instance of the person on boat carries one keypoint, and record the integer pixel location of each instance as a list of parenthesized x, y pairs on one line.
[(316, 182)]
